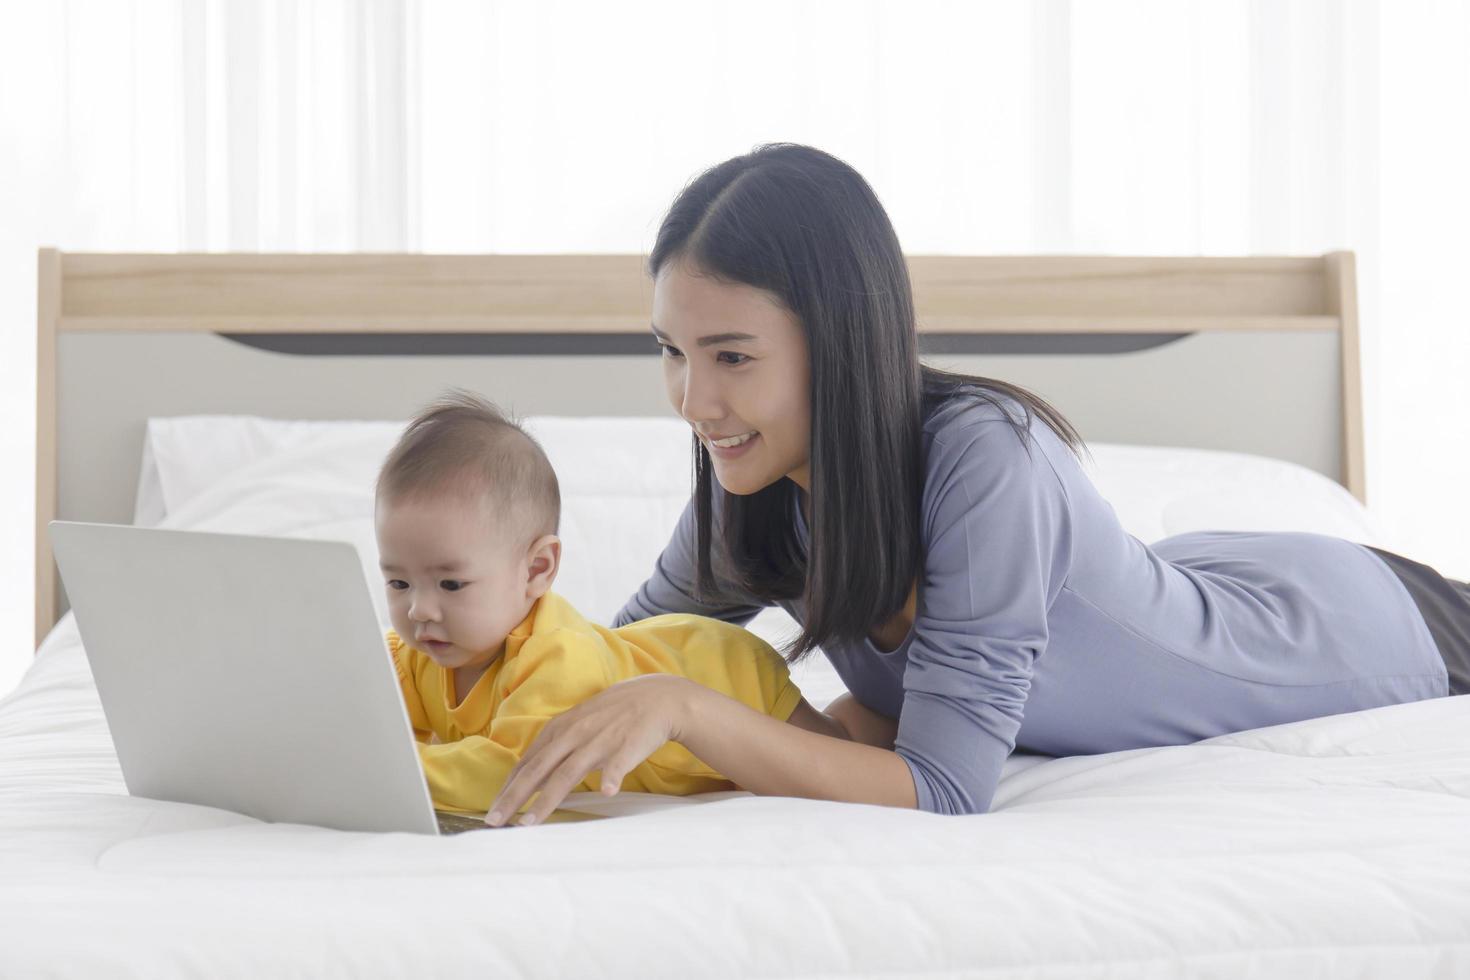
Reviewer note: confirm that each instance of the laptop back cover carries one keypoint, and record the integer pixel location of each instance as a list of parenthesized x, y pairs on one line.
[(245, 673)]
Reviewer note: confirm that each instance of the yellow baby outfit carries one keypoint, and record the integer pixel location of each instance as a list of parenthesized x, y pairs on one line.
[(556, 659)]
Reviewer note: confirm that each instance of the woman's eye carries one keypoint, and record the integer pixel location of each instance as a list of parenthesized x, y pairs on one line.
[(669, 351), (451, 585), (742, 358), (397, 584)]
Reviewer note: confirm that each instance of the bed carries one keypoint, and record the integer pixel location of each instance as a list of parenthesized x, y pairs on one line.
[(256, 394)]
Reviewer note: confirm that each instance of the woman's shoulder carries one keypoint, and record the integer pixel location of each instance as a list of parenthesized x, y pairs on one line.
[(989, 439), (959, 420)]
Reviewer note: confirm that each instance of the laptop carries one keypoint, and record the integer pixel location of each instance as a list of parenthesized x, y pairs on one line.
[(249, 674)]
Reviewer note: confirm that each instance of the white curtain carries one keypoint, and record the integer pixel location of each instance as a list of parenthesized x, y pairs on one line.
[(1172, 127)]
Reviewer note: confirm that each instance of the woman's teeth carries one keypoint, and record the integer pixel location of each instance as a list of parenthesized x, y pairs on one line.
[(733, 441)]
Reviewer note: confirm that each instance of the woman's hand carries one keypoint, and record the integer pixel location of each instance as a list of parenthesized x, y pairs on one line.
[(613, 731)]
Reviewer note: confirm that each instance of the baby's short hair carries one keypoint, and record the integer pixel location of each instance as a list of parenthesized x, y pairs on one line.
[(462, 445)]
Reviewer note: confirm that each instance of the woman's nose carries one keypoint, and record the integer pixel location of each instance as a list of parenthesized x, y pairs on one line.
[(701, 399)]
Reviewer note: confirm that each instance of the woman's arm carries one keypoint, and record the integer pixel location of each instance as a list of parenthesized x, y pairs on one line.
[(770, 757), (998, 549), (620, 727), (806, 717), (861, 723)]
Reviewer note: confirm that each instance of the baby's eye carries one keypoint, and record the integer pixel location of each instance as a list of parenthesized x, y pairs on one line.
[(452, 585), (729, 353), (397, 584)]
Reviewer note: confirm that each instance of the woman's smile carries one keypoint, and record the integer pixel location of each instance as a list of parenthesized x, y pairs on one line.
[(731, 447)]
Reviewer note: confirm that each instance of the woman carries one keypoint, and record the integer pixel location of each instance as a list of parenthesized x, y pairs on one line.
[(937, 537)]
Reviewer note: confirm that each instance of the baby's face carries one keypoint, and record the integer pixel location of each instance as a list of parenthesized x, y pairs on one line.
[(455, 590)]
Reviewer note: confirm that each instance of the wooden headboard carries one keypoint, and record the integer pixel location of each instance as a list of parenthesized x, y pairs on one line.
[(1255, 355)]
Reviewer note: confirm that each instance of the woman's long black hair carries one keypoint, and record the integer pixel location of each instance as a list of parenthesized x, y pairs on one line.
[(805, 227)]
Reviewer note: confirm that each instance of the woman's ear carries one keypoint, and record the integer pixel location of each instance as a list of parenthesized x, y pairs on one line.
[(543, 561)]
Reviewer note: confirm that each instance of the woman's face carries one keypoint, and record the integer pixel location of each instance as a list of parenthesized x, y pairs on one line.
[(736, 368)]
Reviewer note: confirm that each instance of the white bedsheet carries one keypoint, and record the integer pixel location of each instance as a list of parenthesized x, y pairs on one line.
[(1337, 847)]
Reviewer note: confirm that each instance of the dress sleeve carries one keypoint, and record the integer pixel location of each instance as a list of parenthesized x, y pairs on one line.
[(550, 674), (670, 589), (997, 528)]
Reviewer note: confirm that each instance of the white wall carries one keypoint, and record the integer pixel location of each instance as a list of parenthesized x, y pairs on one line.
[(1111, 126)]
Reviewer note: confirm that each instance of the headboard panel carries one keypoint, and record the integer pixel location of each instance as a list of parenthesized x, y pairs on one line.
[(1250, 354)]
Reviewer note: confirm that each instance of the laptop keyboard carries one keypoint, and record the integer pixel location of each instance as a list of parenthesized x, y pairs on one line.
[(456, 823)]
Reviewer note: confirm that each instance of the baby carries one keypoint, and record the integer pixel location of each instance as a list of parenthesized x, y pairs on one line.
[(466, 515)]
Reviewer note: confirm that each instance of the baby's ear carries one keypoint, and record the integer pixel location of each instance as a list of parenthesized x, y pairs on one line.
[(543, 561)]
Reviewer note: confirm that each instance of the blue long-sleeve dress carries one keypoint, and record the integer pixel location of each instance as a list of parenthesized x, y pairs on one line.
[(1042, 624)]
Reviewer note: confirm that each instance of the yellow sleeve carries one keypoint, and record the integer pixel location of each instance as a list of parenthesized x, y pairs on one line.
[(550, 674), (412, 700), (756, 673), (776, 692), (788, 695)]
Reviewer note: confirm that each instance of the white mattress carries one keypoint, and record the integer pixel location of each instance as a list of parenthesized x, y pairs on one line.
[(1337, 847)]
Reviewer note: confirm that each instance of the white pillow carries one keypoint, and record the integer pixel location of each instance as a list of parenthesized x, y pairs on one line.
[(185, 455), (1158, 492)]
